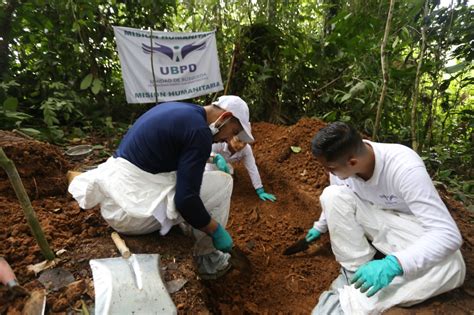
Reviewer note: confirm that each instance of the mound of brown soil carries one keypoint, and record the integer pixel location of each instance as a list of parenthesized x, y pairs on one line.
[(40, 165), (278, 284)]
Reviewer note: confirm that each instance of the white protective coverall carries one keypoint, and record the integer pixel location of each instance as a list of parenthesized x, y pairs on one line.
[(400, 211), (133, 201), (245, 154)]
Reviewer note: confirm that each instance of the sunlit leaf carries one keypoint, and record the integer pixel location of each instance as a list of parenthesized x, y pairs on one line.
[(295, 149), (456, 68), (330, 116), (346, 97), (96, 86), (86, 82), (360, 86), (30, 131)]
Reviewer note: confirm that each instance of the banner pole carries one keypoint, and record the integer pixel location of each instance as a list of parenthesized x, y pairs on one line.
[(152, 66)]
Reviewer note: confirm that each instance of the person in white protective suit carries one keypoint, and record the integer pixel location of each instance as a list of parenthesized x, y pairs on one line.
[(381, 197), (225, 153), (156, 177)]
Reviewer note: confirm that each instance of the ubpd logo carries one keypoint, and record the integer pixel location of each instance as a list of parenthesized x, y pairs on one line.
[(175, 53)]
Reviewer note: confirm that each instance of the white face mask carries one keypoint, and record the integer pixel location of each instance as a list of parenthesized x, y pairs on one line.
[(214, 129)]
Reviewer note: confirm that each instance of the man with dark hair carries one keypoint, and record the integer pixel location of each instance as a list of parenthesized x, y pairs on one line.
[(337, 142), (381, 198)]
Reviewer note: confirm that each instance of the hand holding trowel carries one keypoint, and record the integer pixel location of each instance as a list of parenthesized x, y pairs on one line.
[(223, 241), (303, 244), (240, 261)]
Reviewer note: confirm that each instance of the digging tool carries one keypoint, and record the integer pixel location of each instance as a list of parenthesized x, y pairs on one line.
[(297, 247), (240, 261), (130, 284)]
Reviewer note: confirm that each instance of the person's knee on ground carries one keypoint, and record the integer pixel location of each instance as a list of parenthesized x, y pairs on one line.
[(333, 195), (216, 191), (348, 240)]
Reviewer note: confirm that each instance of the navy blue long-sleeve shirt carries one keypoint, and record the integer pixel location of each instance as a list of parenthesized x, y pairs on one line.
[(173, 136)]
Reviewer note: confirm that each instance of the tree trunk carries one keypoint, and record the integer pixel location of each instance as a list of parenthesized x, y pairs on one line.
[(231, 70), (414, 141), (439, 60), (383, 59), (429, 119), (271, 9), (22, 196)]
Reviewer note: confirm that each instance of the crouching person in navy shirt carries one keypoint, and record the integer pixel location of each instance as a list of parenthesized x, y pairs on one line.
[(156, 177)]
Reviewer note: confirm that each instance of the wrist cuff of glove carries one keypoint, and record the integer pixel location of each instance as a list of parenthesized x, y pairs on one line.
[(394, 264), (217, 231), (259, 190)]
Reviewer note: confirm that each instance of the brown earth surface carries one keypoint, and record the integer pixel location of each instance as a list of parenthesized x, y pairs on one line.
[(278, 284)]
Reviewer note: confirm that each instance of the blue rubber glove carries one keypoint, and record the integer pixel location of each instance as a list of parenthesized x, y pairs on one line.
[(312, 235), (221, 239), (376, 274), (264, 196), (221, 163)]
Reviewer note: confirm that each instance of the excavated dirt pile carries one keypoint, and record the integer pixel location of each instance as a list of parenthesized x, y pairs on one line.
[(278, 283), (41, 166)]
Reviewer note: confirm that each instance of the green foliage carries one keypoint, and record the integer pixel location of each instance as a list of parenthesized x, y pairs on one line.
[(60, 73), (63, 63)]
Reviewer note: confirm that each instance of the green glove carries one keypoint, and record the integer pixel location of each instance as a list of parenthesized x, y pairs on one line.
[(221, 239), (312, 235), (221, 163), (376, 274), (264, 196)]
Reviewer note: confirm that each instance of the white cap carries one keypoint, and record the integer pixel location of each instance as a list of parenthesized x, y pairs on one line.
[(239, 110)]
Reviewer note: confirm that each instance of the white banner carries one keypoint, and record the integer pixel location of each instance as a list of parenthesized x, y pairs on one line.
[(186, 65)]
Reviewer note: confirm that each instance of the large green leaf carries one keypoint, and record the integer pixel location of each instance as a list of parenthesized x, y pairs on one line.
[(30, 131), (346, 97), (10, 104), (17, 115), (86, 82), (96, 86), (456, 68), (359, 87)]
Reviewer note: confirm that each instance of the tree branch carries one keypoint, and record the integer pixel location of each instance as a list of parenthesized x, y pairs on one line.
[(383, 58)]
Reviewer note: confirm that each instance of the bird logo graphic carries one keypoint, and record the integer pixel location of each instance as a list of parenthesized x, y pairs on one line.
[(175, 53)]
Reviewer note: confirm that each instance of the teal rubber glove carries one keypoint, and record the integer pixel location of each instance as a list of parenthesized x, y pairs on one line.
[(264, 196), (221, 163), (376, 274), (312, 235), (221, 239)]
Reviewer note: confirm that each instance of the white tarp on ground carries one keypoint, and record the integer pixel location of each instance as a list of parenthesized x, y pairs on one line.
[(186, 65)]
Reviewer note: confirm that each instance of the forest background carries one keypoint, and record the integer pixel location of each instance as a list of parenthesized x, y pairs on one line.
[(400, 71)]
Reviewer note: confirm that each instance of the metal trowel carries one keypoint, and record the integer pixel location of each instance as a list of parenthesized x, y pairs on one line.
[(297, 247), (240, 261)]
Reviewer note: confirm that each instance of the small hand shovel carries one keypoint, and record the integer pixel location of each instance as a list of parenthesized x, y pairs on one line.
[(297, 247), (240, 261)]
